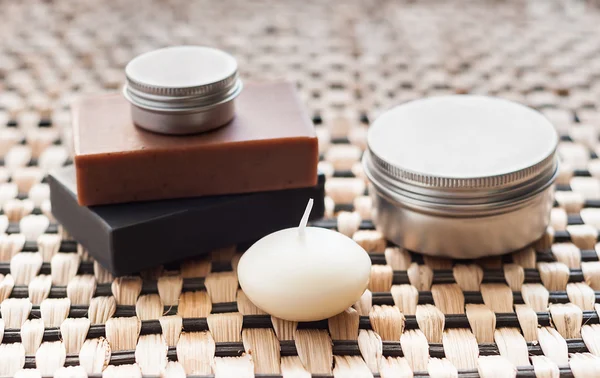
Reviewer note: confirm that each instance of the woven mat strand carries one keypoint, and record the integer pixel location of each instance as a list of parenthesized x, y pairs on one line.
[(533, 313)]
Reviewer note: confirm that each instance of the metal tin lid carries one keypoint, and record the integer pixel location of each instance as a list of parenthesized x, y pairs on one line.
[(181, 78), (462, 149)]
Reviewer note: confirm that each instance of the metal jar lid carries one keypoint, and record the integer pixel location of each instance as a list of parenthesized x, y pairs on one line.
[(182, 80), (461, 153)]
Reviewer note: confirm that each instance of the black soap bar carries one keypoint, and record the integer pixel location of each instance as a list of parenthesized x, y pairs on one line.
[(127, 238)]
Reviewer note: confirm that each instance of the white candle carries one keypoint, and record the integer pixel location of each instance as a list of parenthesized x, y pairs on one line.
[(304, 273)]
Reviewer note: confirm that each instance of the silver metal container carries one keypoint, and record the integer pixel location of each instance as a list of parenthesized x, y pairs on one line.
[(182, 89), (461, 176)]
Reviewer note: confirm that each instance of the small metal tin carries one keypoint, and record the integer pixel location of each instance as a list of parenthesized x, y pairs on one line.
[(182, 89), (461, 176)]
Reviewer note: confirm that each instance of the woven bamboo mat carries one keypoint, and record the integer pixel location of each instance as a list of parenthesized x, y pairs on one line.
[(532, 313)]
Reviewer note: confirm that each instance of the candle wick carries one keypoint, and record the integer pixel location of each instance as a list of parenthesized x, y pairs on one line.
[(304, 219)]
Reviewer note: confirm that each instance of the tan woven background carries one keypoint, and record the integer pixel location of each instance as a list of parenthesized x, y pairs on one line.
[(532, 313)]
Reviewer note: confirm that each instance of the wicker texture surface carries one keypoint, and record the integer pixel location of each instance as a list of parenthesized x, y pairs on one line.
[(532, 313)]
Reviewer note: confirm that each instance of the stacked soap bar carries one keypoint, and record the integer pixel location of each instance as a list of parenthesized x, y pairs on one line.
[(269, 145), (136, 199)]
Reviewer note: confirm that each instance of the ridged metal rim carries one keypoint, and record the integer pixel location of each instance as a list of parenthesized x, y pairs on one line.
[(440, 182), (200, 90), (190, 103), (483, 201)]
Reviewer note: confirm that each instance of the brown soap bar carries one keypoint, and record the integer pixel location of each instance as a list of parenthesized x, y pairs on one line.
[(269, 145)]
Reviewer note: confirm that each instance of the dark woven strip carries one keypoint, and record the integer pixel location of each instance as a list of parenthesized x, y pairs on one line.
[(87, 267), (192, 284), (564, 237), (340, 348), (65, 246), (35, 211), (264, 321), (13, 228), (522, 372), (440, 276), (400, 277), (543, 256), (425, 297)]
